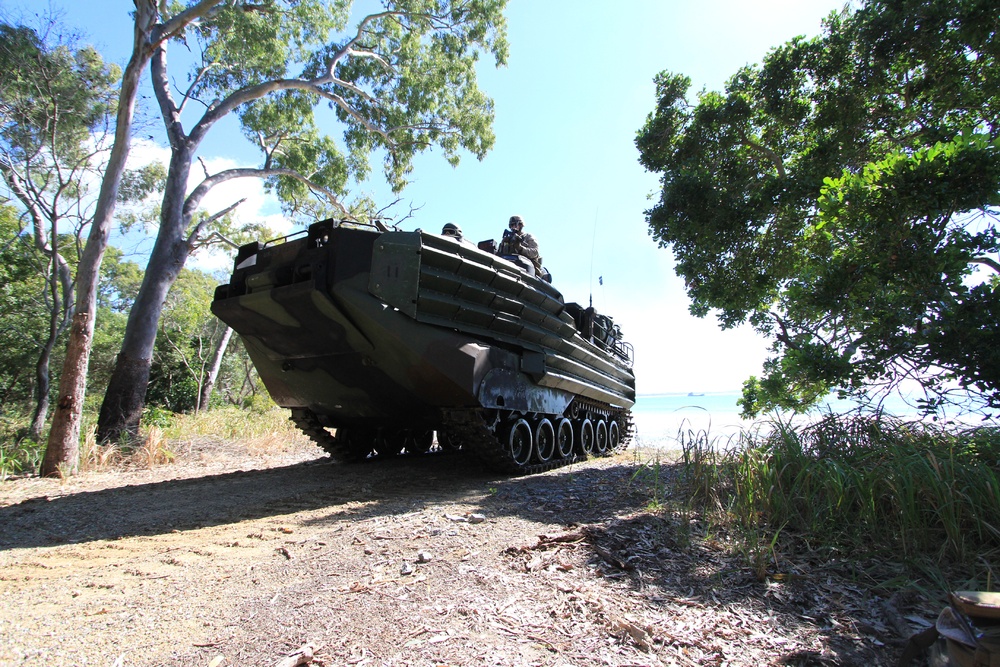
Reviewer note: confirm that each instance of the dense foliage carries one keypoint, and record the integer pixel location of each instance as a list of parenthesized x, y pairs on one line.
[(22, 316), (842, 198), (179, 367)]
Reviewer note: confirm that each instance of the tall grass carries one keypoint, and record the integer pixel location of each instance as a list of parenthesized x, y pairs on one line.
[(233, 423), (258, 431), (19, 454), (886, 486)]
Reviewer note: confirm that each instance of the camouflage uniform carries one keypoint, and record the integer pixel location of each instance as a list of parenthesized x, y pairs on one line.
[(519, 242)]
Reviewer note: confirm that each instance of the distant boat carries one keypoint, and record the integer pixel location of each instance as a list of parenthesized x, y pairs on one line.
[(691, 393)]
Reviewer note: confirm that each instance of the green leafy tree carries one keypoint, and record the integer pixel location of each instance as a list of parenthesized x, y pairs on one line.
[(56, 102), (23, 323), (842, 198), (119, 281), (399, 82), (187, 341)]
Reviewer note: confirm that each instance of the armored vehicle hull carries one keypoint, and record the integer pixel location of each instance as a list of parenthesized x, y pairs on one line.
[(386, 337)]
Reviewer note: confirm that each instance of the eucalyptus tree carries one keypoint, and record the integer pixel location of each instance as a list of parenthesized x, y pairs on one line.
[(842, 198), (56, 105), (397, 82), (62, 450)]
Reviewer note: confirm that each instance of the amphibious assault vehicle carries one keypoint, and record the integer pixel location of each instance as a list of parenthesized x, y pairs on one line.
[(386, 337)]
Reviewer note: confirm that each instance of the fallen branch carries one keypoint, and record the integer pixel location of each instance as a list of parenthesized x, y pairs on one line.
[(613, 559), (545, 541), (301, 657), (572, 536)]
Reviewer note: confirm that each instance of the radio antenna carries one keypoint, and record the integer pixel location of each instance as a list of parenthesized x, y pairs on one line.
[(593, 242)]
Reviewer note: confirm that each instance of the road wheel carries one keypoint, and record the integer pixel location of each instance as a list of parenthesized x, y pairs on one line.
[(564, 438), (419, 441), (601, 438), (545, 441), (585, 436), (519, 442), (614, 436)]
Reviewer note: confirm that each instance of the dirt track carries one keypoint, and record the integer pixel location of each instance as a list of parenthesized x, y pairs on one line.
[(236, 560)]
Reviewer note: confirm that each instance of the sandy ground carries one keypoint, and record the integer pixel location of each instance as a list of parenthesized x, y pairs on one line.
[(236, 558)]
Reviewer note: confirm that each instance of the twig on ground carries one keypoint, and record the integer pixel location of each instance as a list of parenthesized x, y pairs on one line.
[(301, 657)]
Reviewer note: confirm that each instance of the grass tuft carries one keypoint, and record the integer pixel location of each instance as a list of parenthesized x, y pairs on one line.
[(95, 457), (154, 450)]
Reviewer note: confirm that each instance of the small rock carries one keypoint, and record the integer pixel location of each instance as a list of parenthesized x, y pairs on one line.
[(406, 570), (476, 518), (424, 557)]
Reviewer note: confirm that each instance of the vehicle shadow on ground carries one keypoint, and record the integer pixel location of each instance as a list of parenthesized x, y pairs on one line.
[(374, 488)]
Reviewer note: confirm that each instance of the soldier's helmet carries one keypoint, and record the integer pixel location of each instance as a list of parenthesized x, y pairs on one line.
[(451, 229), (515, 220)]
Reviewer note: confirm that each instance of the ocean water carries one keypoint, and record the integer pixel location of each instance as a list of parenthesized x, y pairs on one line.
[(660, 419)]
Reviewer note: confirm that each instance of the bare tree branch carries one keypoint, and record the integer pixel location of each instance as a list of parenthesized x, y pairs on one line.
[(181, 21), (208, 240), (196, 232), (992, 263), (770, 154), (191, 204)]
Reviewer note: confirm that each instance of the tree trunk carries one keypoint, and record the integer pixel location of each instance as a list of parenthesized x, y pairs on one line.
[(62, 455), (213, 370), (126, 393), (124, 406), (62, 451), (42, 392), (61, 288)]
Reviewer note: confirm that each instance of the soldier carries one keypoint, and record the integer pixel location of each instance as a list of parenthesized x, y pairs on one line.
[(516, 241), (454, 231)]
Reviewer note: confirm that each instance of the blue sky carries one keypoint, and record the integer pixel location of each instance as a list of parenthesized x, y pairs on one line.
[(578, 85)]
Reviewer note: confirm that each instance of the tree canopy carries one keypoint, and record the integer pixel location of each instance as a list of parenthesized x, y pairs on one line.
[(842, 197), (399, 82)]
